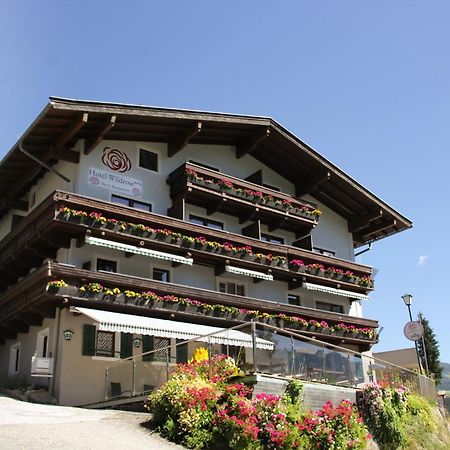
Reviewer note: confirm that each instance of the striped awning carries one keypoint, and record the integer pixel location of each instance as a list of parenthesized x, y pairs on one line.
[(249, 273), (138, 250), (340, 292), (129, 323)]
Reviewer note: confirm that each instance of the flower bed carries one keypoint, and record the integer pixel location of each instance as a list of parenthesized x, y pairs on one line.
[(283, 204), (151, 299), (398, 418), (200, 406), (201, 243)]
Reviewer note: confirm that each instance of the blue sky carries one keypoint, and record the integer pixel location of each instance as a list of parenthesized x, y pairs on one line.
[(365, 83)]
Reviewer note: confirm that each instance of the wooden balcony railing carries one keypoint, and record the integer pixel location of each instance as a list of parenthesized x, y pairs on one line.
[(16, 314), (250, 202), (46, 229)]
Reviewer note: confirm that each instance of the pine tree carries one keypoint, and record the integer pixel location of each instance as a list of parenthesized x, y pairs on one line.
[(432, 350)]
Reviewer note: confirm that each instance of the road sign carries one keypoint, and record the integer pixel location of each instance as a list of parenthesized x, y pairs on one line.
[(413, 331)]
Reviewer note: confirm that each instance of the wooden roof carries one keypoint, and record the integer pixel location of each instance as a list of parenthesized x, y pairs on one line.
[(64, 121)]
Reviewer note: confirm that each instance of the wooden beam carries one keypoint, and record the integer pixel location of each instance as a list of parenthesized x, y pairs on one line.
[(359, 222), (179, 142), (13, 203), (220, 268), (7, 333), (248, 144), (296, 283), (377, 228), (31, 318), (94, 141), (311, 183), (18, 326), (217, 206), (70, 133), (277, 224), (66, 155), (249, 217)]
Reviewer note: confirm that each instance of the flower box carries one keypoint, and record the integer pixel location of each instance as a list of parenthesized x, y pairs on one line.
[(65, 290), (92, 295)]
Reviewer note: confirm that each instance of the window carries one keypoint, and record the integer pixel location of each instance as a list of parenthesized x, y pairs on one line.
[(206, 222), (330, 307), (131, 203), (228, 287), (155, 348), (322, 251), (294, 300), (204, 165), (162, 353), (148, 160), (271, 238), (161, 275), (106, 266), (42, 344), (32, 200), (105, 344), (14, 359)]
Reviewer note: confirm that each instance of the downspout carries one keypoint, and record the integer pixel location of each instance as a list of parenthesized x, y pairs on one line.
[(55, 352)]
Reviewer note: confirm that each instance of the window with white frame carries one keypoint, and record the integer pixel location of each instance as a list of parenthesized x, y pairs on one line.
[(231, 287), (42, 350), (14, 359)]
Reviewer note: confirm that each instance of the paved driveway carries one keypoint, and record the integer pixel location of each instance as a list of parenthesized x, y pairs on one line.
[(30, 426)]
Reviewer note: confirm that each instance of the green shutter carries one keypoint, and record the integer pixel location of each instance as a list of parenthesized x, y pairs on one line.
[(126, 345), (182, 352), (88, 340), (147, 346)]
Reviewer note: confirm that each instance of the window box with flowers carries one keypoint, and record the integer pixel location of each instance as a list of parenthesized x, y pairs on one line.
[(297, 265), (61, 287), (92, 290), (315, 269), (275, 260)]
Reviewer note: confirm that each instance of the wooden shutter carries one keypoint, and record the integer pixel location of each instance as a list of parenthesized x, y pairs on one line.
[(182, 352), (147, 346), (88, 348), (126, 345)]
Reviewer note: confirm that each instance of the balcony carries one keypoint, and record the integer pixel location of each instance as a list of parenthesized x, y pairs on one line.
[(48, 228), (215, 191), (164, 300)]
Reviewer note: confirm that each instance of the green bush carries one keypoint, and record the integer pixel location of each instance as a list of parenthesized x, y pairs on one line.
[(399, 419)]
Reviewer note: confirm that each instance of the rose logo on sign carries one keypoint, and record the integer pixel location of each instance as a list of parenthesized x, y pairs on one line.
[(116, 160)]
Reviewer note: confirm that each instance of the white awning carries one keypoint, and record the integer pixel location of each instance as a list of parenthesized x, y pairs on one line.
[(248, 273), (138, 250), (330, 290), (128, 323)]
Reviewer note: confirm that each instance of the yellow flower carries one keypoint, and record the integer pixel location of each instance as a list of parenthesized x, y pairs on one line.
[(200, 354)]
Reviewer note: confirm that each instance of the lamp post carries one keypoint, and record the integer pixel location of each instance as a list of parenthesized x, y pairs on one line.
[(407, 298)]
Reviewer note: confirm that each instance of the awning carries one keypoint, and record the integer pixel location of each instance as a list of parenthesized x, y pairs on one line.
[(340, 292), (138, 250), (128, 323), (249, 273)]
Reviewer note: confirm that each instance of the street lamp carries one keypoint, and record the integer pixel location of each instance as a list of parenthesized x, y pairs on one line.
[(407, 298)]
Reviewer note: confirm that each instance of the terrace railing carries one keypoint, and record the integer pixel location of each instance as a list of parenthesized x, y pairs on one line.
[(289, 355)]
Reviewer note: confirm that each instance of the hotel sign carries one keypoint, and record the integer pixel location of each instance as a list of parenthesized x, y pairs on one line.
[(115, 182)]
